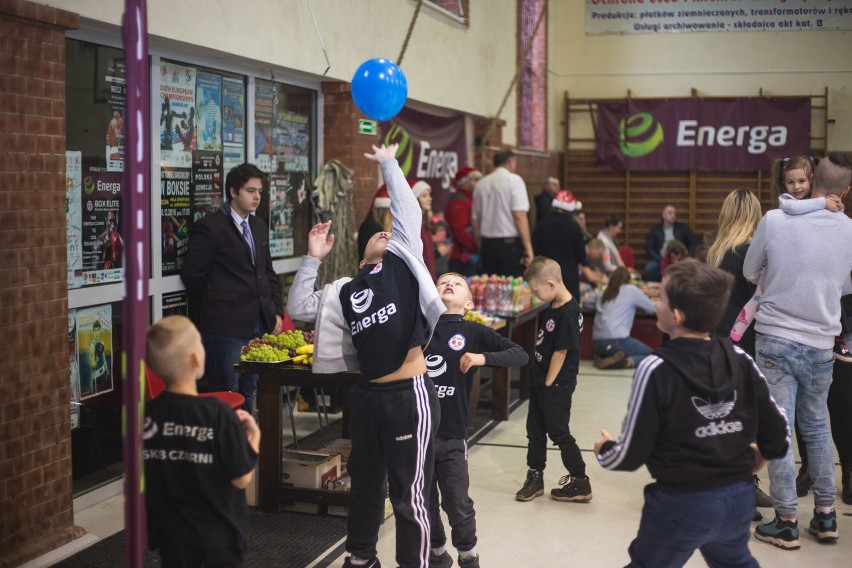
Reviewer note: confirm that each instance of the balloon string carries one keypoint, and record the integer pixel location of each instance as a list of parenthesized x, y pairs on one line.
[(408, 35), (521, 62)]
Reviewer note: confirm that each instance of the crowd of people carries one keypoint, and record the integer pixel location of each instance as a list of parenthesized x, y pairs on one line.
[(755, 349)]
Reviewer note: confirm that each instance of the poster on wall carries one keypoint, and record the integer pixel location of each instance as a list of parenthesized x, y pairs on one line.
[(115, 104), (265, 107), (175, 304), (431, 148), (233, 111), (94, 350), (232, 157), (73, 368), (282, 194), (206, 184), (208, 104), (177, 114), (294, 141), (102, 243), (74, 216), (175, 216)]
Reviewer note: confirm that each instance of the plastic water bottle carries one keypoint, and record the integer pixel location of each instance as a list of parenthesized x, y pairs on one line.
[(492, 292)]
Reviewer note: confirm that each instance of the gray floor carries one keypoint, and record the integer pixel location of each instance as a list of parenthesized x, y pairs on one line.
[(546, 532)]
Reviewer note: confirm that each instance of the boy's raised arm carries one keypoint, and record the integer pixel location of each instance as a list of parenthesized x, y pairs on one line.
[(407, 215)]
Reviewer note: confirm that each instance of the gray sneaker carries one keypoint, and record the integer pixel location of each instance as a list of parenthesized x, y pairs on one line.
[(575, 489), (468, 562), (763, 500), (533, 486), (440, 561)]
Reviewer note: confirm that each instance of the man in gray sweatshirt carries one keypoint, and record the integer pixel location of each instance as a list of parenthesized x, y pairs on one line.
[(807, 266)]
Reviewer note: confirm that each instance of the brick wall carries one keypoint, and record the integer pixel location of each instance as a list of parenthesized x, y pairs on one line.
[(35, 436), (342, 142)]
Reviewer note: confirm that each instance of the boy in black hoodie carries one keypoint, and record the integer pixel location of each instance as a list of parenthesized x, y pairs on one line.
[(697, 406)]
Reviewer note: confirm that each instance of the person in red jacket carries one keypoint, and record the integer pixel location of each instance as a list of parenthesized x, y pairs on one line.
[(464, 255)]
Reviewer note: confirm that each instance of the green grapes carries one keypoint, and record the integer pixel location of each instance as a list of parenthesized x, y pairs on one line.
[(264, 353)]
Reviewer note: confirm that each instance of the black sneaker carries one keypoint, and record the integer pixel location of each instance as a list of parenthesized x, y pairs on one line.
[(824, 526), (614, 361), (803, 481), (572, 489), (778, 532), (841, 352), (468, 562), (440, 560), (758, 516), (763, 500), (373, 563), (533, 486)]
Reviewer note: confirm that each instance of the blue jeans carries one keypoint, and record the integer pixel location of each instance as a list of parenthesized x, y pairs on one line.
[(633, 349), (799, 377), (717, 522), (221, 354)]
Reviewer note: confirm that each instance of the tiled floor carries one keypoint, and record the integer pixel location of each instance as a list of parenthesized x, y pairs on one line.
[(546, 532)]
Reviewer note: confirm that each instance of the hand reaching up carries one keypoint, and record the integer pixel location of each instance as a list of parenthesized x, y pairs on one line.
[(381, 154), (319, 240)]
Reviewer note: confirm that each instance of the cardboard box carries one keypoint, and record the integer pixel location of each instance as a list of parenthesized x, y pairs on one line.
[(342, 446), (310, 470)]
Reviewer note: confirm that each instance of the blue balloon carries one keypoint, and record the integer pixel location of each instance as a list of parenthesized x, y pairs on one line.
[(379, 89)]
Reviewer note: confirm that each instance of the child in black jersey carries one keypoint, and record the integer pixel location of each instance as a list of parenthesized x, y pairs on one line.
[(378, 322), (554, 378), (199, 457), (697, 405), (457, 348)]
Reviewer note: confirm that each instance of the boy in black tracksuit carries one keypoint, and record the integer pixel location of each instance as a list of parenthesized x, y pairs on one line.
[(554, 378), (697, 406), (378, 322), (457, 348)]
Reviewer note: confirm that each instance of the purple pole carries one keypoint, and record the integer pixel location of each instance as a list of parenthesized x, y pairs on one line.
[(136, 210)]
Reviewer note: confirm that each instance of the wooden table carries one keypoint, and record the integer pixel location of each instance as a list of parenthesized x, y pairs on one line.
[(521, 328), (273, 377)]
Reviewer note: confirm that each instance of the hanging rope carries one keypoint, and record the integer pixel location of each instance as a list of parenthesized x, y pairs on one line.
[(408, 35), (521, 62)]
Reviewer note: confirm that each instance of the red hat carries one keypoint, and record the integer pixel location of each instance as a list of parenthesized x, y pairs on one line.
[(565, 200), (382, 199), (462, 173), (418, 186)]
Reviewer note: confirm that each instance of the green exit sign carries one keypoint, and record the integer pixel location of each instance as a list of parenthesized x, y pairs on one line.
[(370, 127)]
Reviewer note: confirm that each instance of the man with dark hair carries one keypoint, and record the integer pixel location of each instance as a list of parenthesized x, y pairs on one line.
[(805, 261), (234, 293), (499, 218)]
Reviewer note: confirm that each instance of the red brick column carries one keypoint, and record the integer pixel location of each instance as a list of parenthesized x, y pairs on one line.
[(35, 435)]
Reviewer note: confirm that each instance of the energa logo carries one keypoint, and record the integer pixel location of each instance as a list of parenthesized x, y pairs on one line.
[(405, 152), (639, 134)]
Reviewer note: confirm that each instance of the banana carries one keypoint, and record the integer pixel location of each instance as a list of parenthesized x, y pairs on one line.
[(305, 349), (300, 358)]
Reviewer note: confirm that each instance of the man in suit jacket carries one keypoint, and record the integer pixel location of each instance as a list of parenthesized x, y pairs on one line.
[(233, 290), (659, 235)]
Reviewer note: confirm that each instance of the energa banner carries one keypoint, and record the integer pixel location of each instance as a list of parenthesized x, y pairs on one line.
[(702, 134)]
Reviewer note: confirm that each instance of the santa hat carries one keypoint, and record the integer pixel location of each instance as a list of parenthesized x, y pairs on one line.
[(461, 174), (418, 186), (382, 199), (565, 200)]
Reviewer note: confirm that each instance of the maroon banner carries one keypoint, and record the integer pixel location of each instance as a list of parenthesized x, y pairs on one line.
[(702, 134), (431, 148)]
